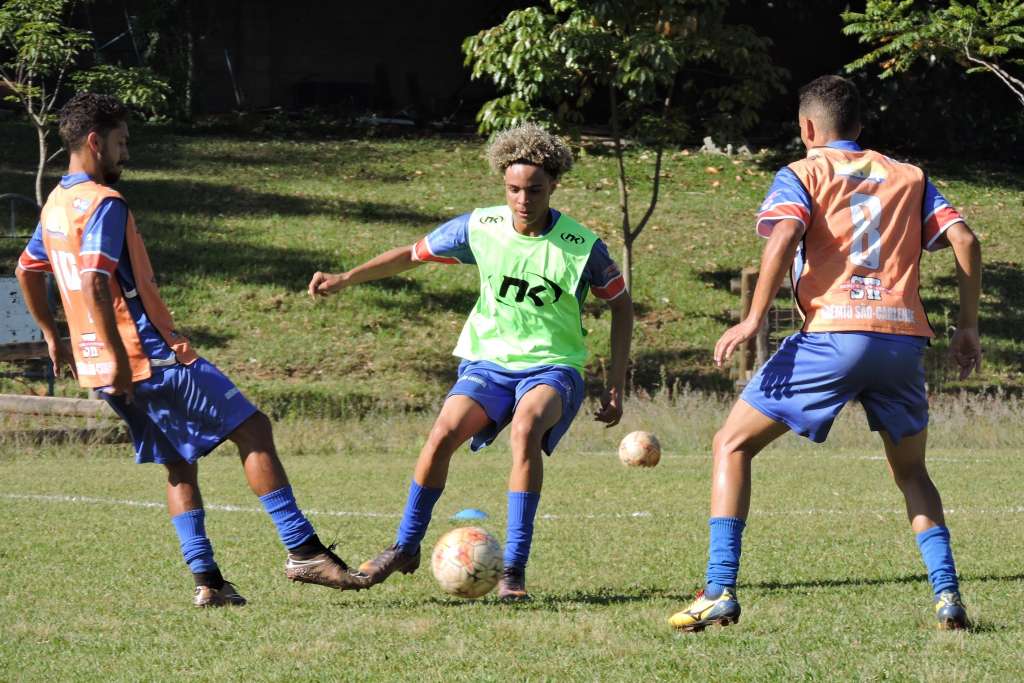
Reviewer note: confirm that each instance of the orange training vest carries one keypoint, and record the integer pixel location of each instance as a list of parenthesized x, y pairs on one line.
[(64, 217), (863, 245)]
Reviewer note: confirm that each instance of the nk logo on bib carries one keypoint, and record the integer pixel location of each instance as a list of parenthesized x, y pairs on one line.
[(519, 290)]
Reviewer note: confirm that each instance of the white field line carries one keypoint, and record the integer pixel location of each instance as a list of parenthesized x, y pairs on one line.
[(820, 454), (807, 512)]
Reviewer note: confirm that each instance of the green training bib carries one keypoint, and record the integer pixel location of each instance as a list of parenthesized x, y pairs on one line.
[(527, 313)]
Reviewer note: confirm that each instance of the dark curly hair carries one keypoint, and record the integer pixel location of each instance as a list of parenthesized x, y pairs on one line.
[(531, 144), (835, 101), (87, 112)]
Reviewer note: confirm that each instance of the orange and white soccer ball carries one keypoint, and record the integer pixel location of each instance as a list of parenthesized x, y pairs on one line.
[(467, 562), (640, 449)]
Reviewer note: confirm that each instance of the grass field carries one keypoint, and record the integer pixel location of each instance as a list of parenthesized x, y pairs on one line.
[(832, 585), (237, 224)]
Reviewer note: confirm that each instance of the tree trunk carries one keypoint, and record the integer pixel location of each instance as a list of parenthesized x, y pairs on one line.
[(41, 133), (627, 265)]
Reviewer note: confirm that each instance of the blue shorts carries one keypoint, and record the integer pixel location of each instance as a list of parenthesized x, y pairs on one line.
[(814, 374), (182, 412), (499, 390)]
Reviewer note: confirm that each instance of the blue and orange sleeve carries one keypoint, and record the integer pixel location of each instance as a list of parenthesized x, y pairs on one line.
[(448, 243), (34, 257), (606, 280), (103, 238), (787, 198), (936, 217)]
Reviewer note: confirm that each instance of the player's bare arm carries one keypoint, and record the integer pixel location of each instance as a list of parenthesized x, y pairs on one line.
[(33, 285), (622, 332), (965, 347), (100, 304), (391, 262), (775, 262)]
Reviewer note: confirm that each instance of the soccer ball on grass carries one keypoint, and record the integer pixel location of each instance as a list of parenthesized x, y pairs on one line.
[(467, 562)]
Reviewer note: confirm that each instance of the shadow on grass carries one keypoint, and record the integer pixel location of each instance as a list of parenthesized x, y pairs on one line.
[(148, 198), (774, 586), (549, 601)]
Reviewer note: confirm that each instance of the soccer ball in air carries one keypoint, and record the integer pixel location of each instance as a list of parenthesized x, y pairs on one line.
[(467, 562), (640, 449)]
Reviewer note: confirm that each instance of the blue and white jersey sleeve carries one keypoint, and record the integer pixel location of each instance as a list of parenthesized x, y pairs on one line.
[(103, 238), (448, 243), (34, 257), (936, 217), (787, 198), (603, 274)]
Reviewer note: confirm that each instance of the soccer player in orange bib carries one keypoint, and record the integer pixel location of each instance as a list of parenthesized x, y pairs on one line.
[(178, 406), (852, 223)]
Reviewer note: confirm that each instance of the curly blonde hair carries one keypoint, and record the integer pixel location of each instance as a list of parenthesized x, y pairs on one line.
[(529, 143)]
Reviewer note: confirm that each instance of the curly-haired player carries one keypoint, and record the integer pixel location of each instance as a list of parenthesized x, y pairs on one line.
[(522, 346)]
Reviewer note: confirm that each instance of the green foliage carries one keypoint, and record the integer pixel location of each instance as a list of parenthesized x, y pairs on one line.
[(987, 35), (41, 49), (551, 64), (138, 87)]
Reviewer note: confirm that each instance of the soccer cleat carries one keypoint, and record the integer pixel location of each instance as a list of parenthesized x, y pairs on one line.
[(225, 596), (325, 569), (391, 560), (705, 611), (950, 612), (512, 585)]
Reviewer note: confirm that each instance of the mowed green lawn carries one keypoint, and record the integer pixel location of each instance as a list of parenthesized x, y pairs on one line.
[(832, 586)]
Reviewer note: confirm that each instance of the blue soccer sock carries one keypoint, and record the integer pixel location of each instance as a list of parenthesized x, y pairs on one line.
[(522, 509), (938, 558), (292, 526), (419, 507), (195, 546), (723, 554)]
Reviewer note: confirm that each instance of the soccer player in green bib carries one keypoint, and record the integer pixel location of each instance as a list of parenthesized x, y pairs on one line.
[(522, 347)]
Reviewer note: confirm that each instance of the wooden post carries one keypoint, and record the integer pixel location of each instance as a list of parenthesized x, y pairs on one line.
[(745, 355)]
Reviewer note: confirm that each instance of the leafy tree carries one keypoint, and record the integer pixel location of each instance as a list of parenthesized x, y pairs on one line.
[(661, 64), (39, 54), (986, 35)]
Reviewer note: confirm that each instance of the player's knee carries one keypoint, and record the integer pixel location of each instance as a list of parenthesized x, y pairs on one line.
[(444, 439), (728, 443), (181, 472), (524, 432), (256, 433)]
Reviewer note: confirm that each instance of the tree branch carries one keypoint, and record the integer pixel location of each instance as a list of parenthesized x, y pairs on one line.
[(657, 169), (654, 193), (623, 189), (1015, 85)]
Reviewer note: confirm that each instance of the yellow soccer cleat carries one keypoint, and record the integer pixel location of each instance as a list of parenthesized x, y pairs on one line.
[(705, 611)]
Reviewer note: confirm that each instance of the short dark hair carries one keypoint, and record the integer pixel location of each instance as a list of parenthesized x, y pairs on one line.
[(87, 112), (836, 100)]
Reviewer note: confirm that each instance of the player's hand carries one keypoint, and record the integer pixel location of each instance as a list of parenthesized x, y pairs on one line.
[(323, 284), (611, 407), (733, 337), (60, 356), (965, 350)]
